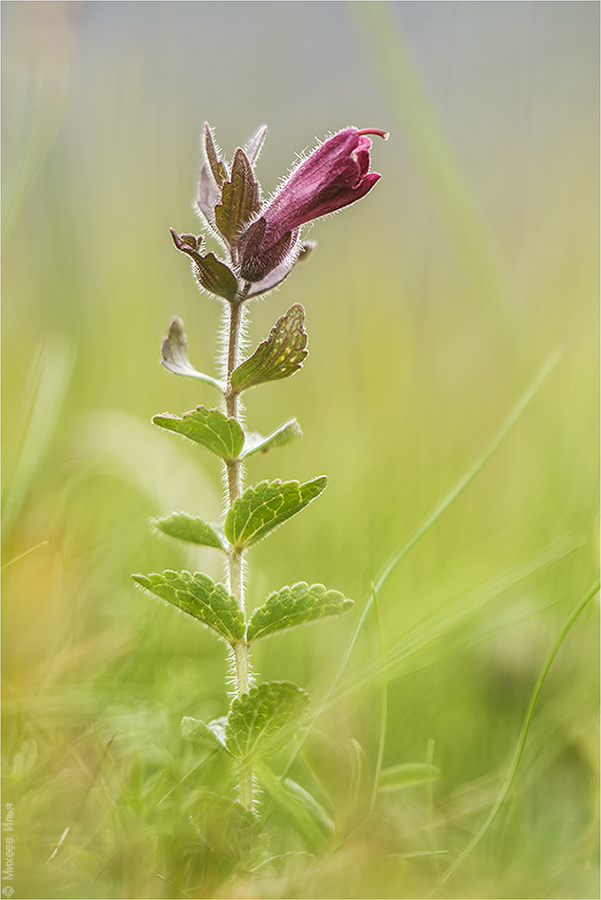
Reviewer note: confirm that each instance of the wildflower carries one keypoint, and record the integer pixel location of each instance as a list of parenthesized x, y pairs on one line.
[(263, 239), (335, 175)]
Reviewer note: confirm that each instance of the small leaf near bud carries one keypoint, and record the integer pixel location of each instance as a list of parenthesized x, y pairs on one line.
[(239, 198), (215, 277), (191, 240), (217, 166), (212, 274)]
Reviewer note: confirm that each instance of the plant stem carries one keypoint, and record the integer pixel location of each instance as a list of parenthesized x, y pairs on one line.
[(235, 560)]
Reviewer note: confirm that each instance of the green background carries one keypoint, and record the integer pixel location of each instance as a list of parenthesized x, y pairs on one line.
[(430, 307)]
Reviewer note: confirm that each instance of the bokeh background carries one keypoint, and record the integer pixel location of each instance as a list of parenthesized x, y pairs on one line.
[(430, 307)]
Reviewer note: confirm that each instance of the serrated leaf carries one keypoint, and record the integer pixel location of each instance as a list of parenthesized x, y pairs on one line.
[(262, 721), (222, 436), (254, 145), (212, 274), (279, 356), (294, 606), (189, 528), (201, 598), (174, 351), (211, 735), (265, 506), (402, 776), (283, 435), (239, 198), (217, 166), (231, 832)]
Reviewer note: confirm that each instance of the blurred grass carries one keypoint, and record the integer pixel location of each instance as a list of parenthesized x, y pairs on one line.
[(409, 376)]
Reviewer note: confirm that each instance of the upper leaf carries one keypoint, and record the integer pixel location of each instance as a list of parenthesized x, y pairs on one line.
[(189, 528), (217, 166), (263, 721), (262, 508), (174, 351), (239, 198), (279, 356), (282, 435), (201, 598), (208, 427), (293, 606)]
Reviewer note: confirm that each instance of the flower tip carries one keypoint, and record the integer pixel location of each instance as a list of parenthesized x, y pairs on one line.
[(383, 134)]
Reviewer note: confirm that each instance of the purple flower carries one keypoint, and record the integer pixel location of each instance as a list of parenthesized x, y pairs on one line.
[(335, 175)]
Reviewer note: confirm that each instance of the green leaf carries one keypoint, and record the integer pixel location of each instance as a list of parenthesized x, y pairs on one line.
[(212, 274), (283, 435), (215, 277), (294, 606), (201, 598), (264, 507), (263, 721), (239, 198), (174, 351), (189, 528), (217, 166), (308, 816), (406, 774), (208, 427), (279, 356), (231, 832), (211, 736)]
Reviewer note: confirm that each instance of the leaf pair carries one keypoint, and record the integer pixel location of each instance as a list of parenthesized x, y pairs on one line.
[(252, 516), (258, 511), (224, 436), (210, 603), (279, 356)]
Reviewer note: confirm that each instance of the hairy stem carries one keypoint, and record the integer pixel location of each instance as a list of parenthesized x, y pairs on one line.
[(235, 560)]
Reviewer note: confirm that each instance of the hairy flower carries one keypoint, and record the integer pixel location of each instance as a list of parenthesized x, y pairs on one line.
[(335, 175)]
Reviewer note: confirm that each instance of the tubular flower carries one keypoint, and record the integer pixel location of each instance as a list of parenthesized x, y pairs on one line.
[(335, 175), (262, 238)]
